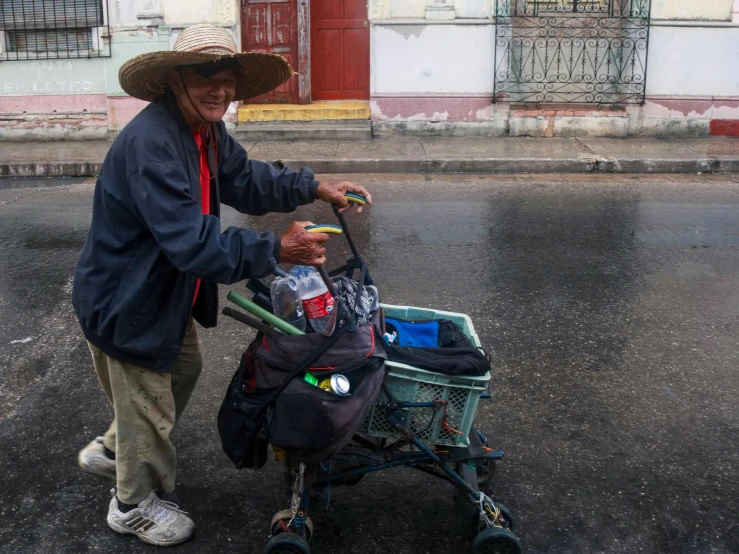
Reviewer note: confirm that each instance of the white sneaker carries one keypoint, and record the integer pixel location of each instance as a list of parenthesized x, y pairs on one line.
[(154, 521), (93, 460)]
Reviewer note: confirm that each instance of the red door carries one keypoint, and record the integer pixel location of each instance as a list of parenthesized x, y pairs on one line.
[(272, 26), (339, 50)]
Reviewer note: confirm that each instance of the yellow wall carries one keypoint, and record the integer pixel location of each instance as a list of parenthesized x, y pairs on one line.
[(692, 9)]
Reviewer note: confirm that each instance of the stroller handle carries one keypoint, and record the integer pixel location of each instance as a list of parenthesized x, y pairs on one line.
[(342, 228), (324, 228), (356, 198)]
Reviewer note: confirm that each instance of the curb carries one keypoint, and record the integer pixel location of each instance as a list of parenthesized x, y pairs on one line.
[(51, 169), (508, 165)]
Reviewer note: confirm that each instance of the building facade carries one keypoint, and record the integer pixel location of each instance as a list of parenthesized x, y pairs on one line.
[(451, 67)]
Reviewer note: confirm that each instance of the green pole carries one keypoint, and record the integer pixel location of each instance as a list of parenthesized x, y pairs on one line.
[(263, 314)]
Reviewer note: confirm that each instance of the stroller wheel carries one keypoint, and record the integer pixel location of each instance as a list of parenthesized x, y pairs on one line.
[(287, 543), (485, 468), (282, 518), (496, 540)]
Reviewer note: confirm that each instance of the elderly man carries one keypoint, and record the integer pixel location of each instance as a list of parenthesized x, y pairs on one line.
[(155, 253)]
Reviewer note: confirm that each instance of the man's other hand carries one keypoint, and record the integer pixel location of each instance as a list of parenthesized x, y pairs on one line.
[(334, 193), (298, 246)]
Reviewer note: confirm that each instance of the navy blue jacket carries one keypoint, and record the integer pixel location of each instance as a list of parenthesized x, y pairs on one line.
[(149, 241)]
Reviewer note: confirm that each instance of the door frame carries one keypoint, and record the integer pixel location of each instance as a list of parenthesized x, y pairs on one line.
[(304, 51), (304, 93)]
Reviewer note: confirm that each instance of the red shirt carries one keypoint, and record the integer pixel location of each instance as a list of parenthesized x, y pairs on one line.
[(204, 189)]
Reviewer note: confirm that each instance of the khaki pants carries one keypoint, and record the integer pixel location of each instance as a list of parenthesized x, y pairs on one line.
[(147, 404)]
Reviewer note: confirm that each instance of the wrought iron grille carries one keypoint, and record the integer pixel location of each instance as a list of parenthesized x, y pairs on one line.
[(571, 51), (53, 29)]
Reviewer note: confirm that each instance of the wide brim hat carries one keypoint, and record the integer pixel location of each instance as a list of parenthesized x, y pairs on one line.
[(145, 76)]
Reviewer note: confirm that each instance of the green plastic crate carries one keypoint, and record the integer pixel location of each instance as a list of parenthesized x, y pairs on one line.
[(412, 384)]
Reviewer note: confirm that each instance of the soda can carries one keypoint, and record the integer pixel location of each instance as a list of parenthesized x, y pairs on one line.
[(310, 378), (340, 385), (325, 385)]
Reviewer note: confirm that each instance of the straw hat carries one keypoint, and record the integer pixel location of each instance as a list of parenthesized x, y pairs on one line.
[(145, 76)]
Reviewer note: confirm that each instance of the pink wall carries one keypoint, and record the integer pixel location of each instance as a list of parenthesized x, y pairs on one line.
[(60, 103), (432, 108), (480, 108), (97, 110), (122, 109)]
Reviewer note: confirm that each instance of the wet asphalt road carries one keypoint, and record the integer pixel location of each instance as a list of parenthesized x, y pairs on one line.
[(610, 305)]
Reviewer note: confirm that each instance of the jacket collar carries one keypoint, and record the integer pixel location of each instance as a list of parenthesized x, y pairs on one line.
[(170, 103)]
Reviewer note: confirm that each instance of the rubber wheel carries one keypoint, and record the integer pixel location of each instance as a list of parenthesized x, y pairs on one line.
[(287, 543), (485, 466), (485, 470), (495, 540)]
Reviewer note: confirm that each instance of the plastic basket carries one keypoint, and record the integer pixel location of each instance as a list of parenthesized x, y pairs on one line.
[(412, 384)]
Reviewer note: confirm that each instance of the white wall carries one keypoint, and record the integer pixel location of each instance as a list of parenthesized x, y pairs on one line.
[(432, 59), (405, 9), (692, 9), (474, 8), (137, 13), (416, 9), (182, 12), (693, 61), (714, 10), (458, 59)]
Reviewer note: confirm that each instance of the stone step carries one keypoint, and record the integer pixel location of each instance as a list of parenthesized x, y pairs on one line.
[(317, 111), (346, 129)]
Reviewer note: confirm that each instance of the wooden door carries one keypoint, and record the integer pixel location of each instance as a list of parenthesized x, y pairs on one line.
[(340, 49), (271, 26)]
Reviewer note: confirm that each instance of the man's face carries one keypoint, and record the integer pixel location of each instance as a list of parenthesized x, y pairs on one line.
[(206, 97)]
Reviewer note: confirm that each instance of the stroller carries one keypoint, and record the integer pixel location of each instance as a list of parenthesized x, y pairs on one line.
[(409, 406)]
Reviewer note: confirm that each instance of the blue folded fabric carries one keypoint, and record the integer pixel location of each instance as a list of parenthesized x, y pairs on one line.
[(421, 335)]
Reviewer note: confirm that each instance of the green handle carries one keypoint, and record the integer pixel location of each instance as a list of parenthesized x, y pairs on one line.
[(263, 314)]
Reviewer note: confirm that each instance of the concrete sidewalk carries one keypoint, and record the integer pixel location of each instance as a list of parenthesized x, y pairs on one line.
[(422, 155)]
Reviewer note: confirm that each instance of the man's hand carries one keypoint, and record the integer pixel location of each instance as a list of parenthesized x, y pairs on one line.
[(333, 193), (298, 246)]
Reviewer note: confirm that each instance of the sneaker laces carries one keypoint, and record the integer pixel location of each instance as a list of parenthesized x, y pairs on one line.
[(161, 509)]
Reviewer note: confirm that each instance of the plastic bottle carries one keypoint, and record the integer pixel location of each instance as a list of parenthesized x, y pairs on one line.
[(300, 271), (286, 302), (317, 300)]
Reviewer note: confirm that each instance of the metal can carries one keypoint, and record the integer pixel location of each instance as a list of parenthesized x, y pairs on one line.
[(340, 385), (325, 385), (310, 378)]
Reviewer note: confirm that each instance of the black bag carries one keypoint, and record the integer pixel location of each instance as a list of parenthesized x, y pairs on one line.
[(268, 403), (241, 417), (454, 355), (313, 425)]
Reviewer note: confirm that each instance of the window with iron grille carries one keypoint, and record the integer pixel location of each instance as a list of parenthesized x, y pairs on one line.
[(53, 29), (571, 51)]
